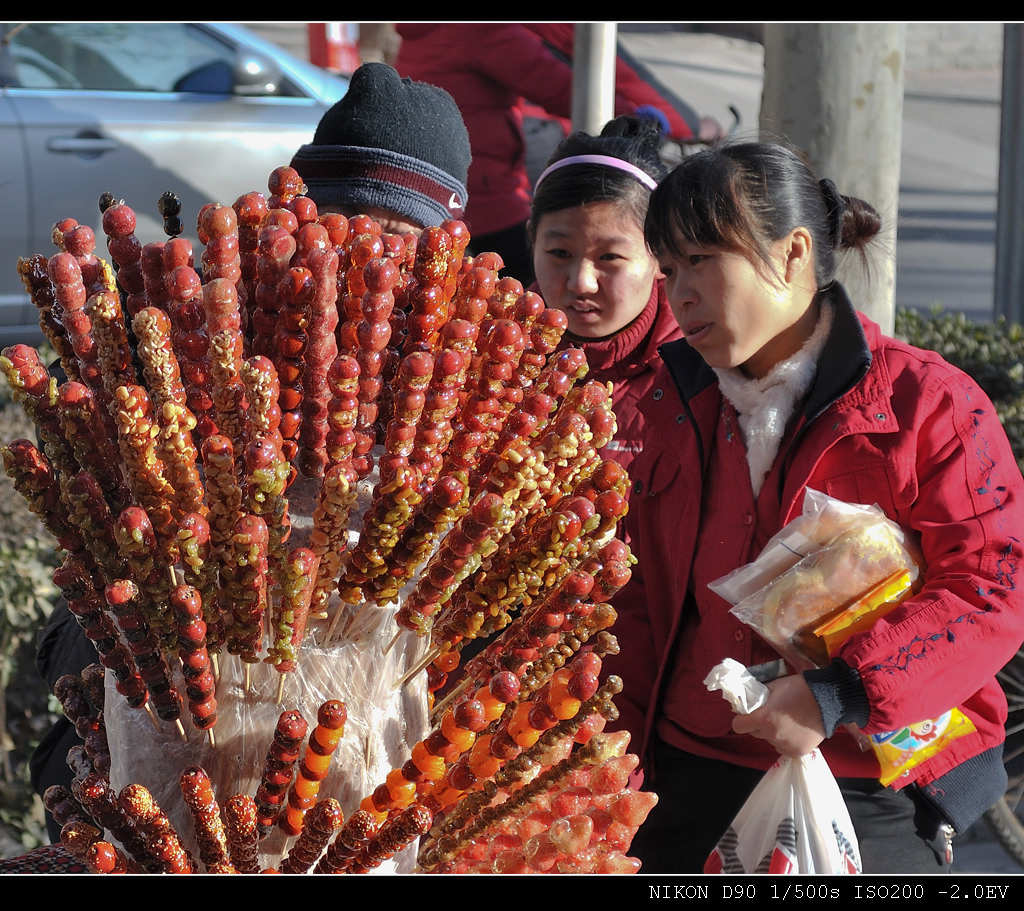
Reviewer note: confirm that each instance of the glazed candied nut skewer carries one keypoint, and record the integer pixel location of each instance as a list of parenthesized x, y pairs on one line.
[(113, 351), (360, 827), (223, 493), (145, 815), (96, 795), (298, 578), (244, 581), (320, 824), (323, 742), (242, 833), (162, 373), (145, 470), (223, 326), (197, 791)]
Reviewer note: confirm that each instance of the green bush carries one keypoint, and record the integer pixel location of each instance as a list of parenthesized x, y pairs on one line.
[(992, 353)]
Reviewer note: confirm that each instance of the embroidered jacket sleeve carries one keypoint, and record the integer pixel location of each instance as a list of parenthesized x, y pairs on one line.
[(964, 500)]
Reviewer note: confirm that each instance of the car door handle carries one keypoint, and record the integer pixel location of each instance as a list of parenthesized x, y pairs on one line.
[(81, 144)]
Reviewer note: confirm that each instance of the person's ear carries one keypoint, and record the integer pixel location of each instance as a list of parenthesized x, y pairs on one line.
[(799, 254)]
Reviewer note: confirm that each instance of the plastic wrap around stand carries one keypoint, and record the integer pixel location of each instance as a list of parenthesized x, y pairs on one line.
[(384, 721)]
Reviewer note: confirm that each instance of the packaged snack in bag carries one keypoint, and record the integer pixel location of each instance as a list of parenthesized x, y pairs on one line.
[(829, 574)]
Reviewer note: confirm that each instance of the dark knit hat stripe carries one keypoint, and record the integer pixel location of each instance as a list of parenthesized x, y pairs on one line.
[(323, 166)]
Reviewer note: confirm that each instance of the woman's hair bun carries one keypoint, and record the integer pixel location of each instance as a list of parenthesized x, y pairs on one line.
[(631, 126), (860, 223)]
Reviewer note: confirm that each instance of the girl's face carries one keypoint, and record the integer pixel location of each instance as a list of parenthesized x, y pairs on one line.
[(732, 312), (591, 262)]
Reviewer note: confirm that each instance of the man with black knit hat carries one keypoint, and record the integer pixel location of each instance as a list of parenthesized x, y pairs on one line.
[(393, 149)]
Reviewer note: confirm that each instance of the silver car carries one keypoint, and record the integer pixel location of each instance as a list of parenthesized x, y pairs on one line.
[(205, 110)]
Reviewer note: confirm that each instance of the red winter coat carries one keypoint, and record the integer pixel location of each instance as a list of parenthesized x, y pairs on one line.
[(884, 423), (490, 68)]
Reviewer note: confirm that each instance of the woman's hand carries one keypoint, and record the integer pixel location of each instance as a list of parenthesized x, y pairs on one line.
[(790, 720)]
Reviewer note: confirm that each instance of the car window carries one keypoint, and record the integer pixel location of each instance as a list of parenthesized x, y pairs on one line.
[(121, 57)]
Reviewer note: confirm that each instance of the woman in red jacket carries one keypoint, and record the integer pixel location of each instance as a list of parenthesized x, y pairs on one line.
[(591, 262), (781, 385)]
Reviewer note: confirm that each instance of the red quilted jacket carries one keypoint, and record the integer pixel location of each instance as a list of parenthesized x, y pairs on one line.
[(884, 423)]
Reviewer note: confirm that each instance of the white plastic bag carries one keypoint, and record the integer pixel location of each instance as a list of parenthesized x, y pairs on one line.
[(795, 820)]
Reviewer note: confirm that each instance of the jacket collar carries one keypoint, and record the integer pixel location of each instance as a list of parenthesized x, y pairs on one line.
[(845, 359)]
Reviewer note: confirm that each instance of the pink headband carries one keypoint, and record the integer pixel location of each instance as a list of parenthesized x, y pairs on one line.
[(607, 161)]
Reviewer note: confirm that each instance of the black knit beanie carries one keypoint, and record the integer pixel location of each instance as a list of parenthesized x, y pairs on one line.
[(391, 143)]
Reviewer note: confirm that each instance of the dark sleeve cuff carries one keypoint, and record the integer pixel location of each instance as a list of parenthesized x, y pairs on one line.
[(840, 695)]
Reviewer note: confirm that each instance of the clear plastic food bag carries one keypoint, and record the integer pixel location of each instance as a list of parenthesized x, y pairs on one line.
[(795, 821)]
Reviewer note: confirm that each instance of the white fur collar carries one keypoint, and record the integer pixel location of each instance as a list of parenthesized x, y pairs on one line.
[(765, 405)]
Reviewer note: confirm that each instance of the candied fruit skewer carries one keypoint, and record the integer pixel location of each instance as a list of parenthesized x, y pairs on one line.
[(218, 231), (274, 253), (266, 473), (151, 263), (35, 277), (96, 795), (321, 350), (396, 495), (87, 606), (316, 761), (149, 820), (321, 823), (211, 835), (190, 340), (34, 478), (169, 207), (471, 814), (372, 334), (94, 449), (103, 857), (295, 290), (200, 686), (77, 834), (242, 833), (119, 225), (64, 808), (278, 771), (121, 597), (200, 571), (250, 210)]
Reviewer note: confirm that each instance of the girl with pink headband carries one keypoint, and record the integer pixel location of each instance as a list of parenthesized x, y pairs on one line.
[(591, 261)]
